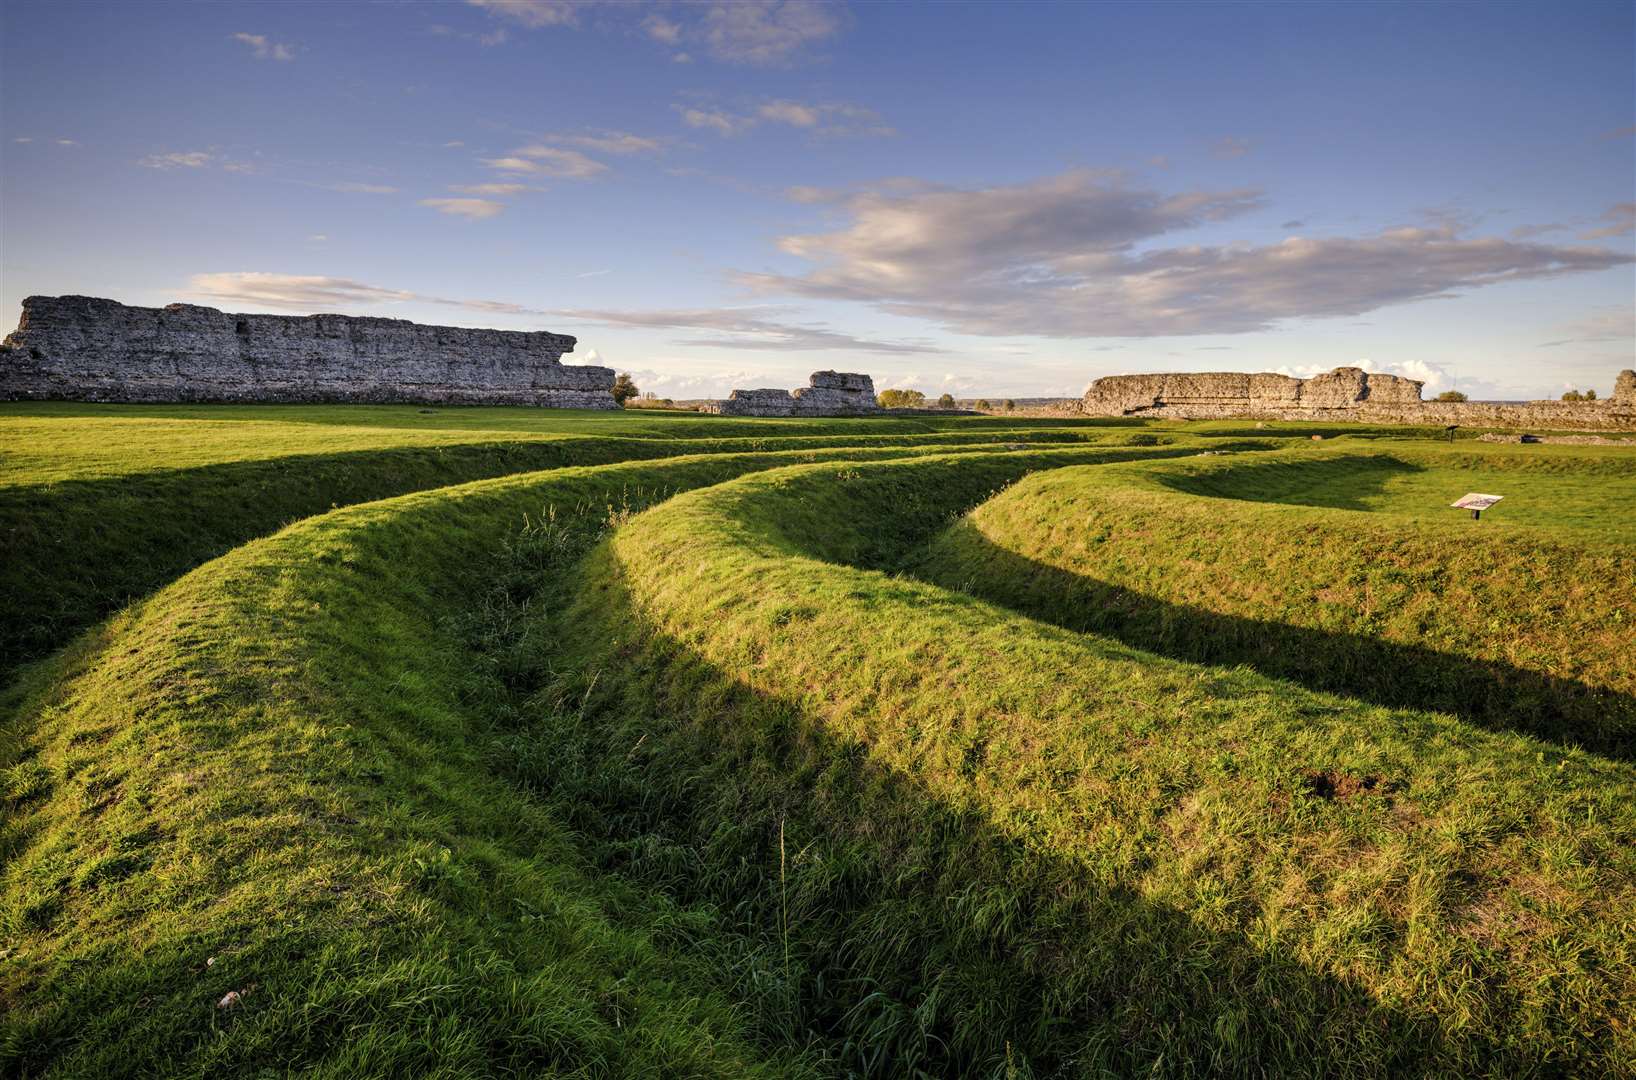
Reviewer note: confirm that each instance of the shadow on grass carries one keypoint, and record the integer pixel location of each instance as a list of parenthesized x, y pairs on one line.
[(1490, 693), (1340, 483), (865, 916), (72, 552)]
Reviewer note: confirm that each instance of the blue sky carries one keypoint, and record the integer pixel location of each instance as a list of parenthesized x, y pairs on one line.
[(1005, 199)]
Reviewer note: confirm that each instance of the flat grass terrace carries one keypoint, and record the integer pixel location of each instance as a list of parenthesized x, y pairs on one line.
[(394, 741)]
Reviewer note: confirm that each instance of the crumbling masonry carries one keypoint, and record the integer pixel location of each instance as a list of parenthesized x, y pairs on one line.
[(81, 348)]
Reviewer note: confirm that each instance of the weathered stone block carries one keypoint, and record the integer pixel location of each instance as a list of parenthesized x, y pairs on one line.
[(831, 393)]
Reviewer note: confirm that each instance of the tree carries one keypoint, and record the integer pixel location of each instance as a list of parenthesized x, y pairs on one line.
[(1451, 395), (901, 399), (1009, 404), (1590, 395), (946, 401), (1573, 395), (624, 388), (983, 405)]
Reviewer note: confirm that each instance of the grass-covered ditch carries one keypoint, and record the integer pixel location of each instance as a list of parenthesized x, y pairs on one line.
[(798, 762), (277, 777)]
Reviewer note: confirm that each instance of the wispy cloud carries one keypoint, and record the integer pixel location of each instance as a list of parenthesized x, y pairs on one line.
[(535, 13), (834, 119), (1620, 219), (499, 190), (611, 142), (552, 161), (354, 187), (190, 159), (313, 292), (497, 36), (1075, 255), (767, 33), (745, 328), (264, 48), (1616, 323), (471, 209), (1230, 146), (759, 33)]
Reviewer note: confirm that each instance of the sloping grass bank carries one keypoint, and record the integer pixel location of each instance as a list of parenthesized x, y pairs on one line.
[(274, 778), (1503, 622), (72, 551), (978, 842)]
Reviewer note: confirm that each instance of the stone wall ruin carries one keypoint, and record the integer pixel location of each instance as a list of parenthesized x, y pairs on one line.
[(1347, 393), (831, 393), (82, 348)]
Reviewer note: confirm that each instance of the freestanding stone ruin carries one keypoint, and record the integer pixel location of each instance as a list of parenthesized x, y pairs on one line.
[(1347, 393), (81, 348), (831, 393)]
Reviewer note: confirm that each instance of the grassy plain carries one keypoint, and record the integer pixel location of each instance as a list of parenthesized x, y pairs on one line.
[(771, 748)]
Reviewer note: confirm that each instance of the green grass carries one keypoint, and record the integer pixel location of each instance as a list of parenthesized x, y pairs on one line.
[(1096, 856), (1328, 568), (101, 505), (573, 744)]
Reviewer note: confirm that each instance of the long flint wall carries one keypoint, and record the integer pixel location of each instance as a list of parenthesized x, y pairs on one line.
[(1343, 394), (82, 348)]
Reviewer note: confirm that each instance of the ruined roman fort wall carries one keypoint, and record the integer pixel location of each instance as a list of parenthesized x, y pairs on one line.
[(1343, 394), (81, 348), (830, 393)]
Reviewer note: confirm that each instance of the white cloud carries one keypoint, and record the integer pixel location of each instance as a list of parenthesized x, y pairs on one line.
[(594, 273), (721, 122), (755, 32), (308, 292), (471, 209), (1074, 256), (790, 112), (612, 142), (767, 32), (192, 159), (746, 328), (263, 48), (821, 118), (554, 161), (23, 139), (317, 238), (292, 290), (452, 144), (491, 189), (662, 30), (1621, 220), (497, 36), (534, 13)]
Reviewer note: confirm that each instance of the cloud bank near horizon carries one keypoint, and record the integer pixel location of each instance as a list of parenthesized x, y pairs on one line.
[(1080, 255)]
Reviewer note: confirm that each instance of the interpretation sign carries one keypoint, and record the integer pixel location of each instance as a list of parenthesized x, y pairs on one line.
[(1476, 502)]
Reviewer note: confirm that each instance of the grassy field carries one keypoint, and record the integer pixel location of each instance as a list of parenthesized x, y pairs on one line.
[(498, 742)]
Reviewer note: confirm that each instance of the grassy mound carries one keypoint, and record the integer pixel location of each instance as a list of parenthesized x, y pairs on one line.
[(806, 770), (1520, 620), (97, 511), (279, 777), (977, 839)]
